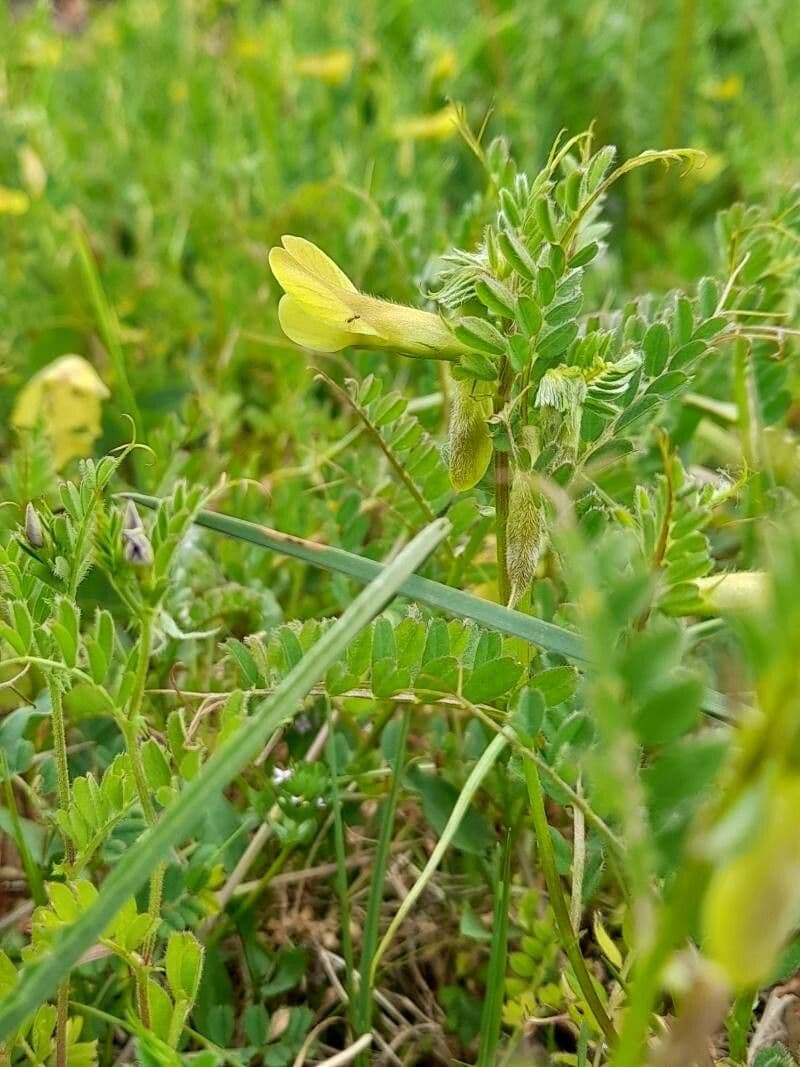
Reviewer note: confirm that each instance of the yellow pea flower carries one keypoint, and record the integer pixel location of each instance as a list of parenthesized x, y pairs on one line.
[(33, 171), (323, 310), (444, 64), (438, 126), (332, 67), (67, 396), (725, 88), (13, 201)]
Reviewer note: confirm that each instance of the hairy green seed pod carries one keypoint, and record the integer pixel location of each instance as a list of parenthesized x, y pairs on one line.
[(526, 532), (469, 442), (33, 527)]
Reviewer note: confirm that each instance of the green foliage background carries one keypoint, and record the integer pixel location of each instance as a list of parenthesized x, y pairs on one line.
[(161, 149)]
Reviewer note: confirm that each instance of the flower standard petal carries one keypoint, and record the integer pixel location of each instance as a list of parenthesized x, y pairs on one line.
[(67, 397), (305, 286), (315, 261)]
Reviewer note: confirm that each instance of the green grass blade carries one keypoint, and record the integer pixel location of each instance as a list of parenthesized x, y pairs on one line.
[(341, 867), (107, 325), (29, 864), (451, 601), (39, 981), (372, 921), (434, 594), (492, 1015)]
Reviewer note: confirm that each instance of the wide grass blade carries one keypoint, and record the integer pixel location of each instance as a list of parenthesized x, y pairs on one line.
[(39, 981), (455, 602)]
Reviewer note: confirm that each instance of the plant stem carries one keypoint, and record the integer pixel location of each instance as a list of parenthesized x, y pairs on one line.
[(108, 327), (62, 1014), (749, 433), (60, 755), (62, 786), (679, 79), (558, 903), (130, 729)]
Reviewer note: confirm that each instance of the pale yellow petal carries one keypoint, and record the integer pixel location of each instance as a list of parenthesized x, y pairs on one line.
[(316, 261), (76, 372), (67, 397), (333, 67), (13, 201), (309, 330), (297, 281)]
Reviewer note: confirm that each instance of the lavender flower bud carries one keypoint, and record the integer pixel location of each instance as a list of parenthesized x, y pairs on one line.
[(137, 549), (132, 519), (33, 527)]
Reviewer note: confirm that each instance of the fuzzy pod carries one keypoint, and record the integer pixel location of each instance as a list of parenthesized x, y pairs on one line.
[(526, 532), (470, 445), (559, 401)]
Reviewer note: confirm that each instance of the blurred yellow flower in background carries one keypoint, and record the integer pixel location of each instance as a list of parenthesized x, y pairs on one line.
[(332, 67), (438, 126), (323, 310), (724, 88), (33, 171), (67, 397), (13, 201), (444, 64)]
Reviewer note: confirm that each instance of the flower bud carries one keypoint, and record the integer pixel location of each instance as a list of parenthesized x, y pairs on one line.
[(136, 548), (33, 527), (131, 519), (560, 402), (470, 445), (526, 532)]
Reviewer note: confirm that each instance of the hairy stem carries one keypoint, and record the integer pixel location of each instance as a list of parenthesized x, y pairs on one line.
[(130, 729), (62, 1014)]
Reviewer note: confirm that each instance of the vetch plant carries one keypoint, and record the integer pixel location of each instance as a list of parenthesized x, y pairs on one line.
[(533, 783)]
